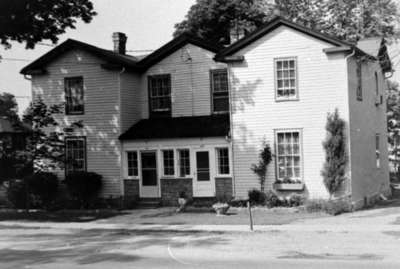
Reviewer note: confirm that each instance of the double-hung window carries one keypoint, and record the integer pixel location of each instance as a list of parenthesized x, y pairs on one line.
[(223, 161), (288, 155), (184, 162), (286, 79), (168, 162), (219, 91), (74, 97), (132, 160), (160, 95), (75, 154)]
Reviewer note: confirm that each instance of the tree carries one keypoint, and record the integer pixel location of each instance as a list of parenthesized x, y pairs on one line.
[(334, 169), (212, 19), (346, 19), (8, 107), (32, 21), (393, 121), (260, 169)]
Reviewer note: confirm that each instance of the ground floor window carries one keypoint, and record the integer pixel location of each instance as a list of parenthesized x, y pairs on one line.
[(132, 157), (288, 155), (223, 161), (75, 154), (168, 161), (184, 162)]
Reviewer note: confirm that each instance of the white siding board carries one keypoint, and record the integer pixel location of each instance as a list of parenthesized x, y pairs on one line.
[(102, 109), (322, 88)]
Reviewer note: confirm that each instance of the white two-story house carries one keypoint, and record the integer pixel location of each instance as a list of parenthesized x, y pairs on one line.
[(192, 117)]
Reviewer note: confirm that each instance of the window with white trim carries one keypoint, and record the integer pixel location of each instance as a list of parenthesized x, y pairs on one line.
[(74, 102), (219, 90), (132, 160), (168, 162), (286, 79), (160, 94), (288, 155), (223, 161), (377, 151), (184, 162), (75, 154)]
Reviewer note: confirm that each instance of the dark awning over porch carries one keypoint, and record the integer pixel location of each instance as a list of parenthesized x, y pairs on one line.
[(179, 127)]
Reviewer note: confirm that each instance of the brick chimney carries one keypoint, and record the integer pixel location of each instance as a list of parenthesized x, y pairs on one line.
[(119, 40), (236, 31)]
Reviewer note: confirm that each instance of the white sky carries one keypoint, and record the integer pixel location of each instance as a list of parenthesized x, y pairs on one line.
[(147, 23)]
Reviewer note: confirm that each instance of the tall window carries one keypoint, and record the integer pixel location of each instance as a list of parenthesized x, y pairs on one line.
[(132, 157), (74, 103), (377, 151), (286, 79), (75, 154), (168, 161), (160, 95), (223, 161), (359, 81), (288, 155), (184, 162), (219, 89)]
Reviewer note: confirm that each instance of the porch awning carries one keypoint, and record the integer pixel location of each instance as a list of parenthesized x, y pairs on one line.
[(179, 127)]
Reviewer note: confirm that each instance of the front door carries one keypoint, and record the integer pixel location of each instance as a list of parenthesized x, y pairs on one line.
[(204, 181), (149, 179)]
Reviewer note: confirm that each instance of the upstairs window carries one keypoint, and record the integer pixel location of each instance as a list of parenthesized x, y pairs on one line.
[(160, 95), (75, 154), (168, 161), (219, 90), (74, 103), (286, 79), (359, 81)]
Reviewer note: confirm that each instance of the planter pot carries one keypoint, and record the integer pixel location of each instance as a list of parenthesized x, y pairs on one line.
[(182, 204), (221, 210), (289, 186)]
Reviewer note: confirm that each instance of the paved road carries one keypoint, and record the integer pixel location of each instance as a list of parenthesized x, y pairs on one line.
[(366, 239)]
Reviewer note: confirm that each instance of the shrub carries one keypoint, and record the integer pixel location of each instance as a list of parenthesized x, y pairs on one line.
[(238, 203), (296, 200), (43, 186), (332, 207), (17, 194), (271, 199), (84, 186), (256, 197), (260, 169)]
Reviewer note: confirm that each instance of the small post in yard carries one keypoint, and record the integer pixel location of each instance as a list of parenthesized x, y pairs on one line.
[(250, 215)]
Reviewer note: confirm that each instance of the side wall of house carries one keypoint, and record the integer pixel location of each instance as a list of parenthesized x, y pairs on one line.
[(366, 120), (189, 68), (102, 108), (256, 115), (130, 99)]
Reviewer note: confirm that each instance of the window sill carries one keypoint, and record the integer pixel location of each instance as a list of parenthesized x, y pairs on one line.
[(287, 100), (289, 186), (223, 176), (132, 178)]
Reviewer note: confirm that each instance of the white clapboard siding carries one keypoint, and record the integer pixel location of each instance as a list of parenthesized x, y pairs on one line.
[(367, 120), (102, 111), (130, 99), (322, 87), (190, 81)]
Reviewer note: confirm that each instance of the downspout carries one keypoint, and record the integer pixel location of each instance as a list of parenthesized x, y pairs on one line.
[(121, 170), (231, 130), (350, 189)]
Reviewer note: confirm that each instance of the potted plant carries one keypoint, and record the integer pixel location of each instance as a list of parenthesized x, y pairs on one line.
[(289, 184), (221, 206), (182, 201)]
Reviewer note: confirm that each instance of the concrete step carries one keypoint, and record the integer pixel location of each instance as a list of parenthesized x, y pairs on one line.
[(149, 203)]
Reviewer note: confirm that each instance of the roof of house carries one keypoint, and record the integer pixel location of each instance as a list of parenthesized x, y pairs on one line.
[(179, 127), (134, 63), (275, 23)]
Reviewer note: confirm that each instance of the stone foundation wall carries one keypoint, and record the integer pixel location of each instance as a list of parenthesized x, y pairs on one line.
[(223, 188), (171, 187), (131, 192)]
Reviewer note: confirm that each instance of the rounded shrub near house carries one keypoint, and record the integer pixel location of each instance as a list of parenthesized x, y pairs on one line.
[(43, 186), (84, 186)]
